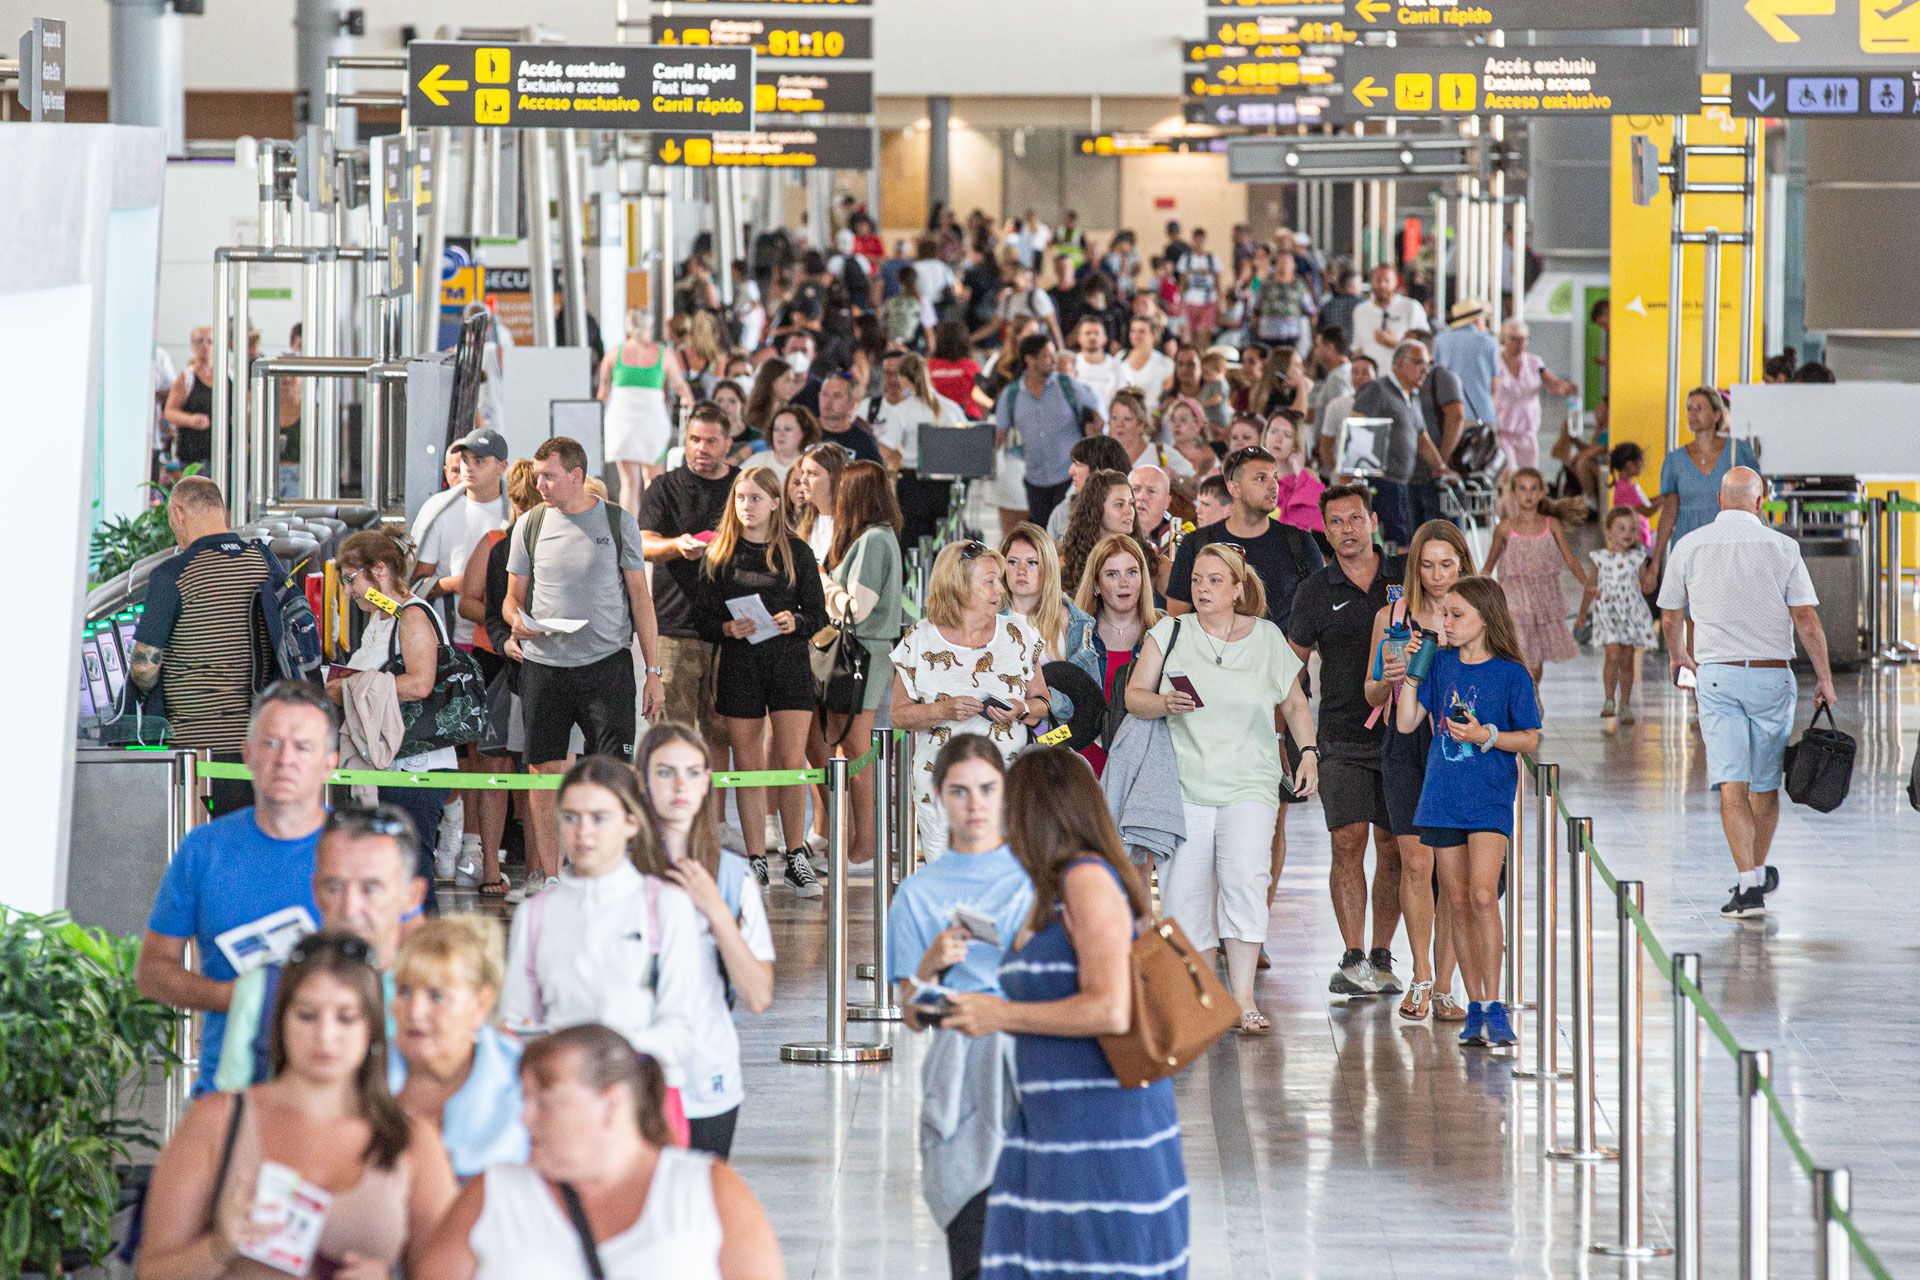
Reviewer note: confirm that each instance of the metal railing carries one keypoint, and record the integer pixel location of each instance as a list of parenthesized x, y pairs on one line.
[(1882, 567), (1838, 1240)]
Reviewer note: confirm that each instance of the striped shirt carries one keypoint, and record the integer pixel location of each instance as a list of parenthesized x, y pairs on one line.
[(200, 613), (1737, 579)]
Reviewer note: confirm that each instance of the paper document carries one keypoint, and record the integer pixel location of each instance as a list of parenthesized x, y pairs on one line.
[(268, 940), (301, 1209), (557, 626), (753, 609)]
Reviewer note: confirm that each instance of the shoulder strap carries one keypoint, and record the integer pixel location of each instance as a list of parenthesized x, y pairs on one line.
[(650, 891), (577, 1215), (226, 1149), (433, 614), (613, 528), (530, 538), (1066, 389), (1172, 640)]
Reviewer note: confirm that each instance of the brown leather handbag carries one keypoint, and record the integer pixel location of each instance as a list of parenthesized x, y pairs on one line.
[(1179, 1008)]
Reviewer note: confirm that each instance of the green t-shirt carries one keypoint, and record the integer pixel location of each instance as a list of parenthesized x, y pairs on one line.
[(1227, 749)]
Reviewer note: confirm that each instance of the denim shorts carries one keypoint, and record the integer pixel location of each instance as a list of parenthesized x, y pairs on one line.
[(1746, 717)]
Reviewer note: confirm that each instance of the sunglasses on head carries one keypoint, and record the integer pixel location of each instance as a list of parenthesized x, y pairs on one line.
[(344, 945), (379, 820), (972, 549)]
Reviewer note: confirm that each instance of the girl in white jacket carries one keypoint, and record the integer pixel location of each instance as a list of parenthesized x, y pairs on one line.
[(608, 944)]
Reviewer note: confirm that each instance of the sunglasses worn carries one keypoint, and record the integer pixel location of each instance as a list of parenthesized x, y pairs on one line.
[(344, 945)]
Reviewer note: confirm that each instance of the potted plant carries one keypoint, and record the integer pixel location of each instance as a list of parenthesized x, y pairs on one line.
[(74, 1033)]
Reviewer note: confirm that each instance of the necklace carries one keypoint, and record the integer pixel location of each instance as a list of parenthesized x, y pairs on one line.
[(1220, 647)]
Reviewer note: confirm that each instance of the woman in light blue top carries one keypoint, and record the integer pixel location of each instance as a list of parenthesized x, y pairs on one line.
[(1690, 478), (950, 925), (450, 1065)]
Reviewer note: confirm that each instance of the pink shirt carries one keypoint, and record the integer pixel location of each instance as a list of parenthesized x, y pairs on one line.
[(1299, 503), (1628, 493)]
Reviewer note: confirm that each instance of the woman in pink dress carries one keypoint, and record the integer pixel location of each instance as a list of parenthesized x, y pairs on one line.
[(1517, 381)]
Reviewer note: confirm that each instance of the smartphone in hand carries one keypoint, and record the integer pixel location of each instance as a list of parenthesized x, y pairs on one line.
[(995, 703), (1684, 678)]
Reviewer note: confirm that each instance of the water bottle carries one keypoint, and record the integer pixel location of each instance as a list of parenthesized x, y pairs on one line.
[(1393, 644), (1422, 660)]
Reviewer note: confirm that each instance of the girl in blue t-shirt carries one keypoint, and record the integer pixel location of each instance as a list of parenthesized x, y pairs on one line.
[(1484, 714)]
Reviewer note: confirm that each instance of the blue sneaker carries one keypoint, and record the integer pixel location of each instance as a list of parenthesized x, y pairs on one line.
[(1498, 1031), (1474, 1033)]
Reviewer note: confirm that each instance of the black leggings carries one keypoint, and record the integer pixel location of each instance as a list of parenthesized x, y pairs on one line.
[(714, 1134), (966, 1235)]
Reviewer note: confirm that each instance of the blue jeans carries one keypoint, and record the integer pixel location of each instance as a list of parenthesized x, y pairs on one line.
[(1391, 504), (1424, 498), (423, 806)]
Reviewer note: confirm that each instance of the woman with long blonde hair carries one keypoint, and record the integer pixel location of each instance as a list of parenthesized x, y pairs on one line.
[(754, 557), (1036, 594)]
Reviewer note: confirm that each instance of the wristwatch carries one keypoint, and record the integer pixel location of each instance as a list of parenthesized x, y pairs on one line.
[(657, 671), (1310, 747), (1493, 736)]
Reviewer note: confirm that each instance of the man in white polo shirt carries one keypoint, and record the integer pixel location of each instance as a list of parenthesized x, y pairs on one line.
[(1748, 593)]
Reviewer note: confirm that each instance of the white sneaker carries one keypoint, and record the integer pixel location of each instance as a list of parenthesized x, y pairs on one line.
[(466, 869), (443, 861), (774, 843), (515, 895)]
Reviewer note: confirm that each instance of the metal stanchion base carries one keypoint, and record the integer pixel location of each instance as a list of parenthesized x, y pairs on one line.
[(823, 1051), (873, 1012), (1596, 1156), (1531, 1073), (1631, 1250), (864, 972)]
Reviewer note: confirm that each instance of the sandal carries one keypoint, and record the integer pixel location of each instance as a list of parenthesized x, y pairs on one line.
[(1447, 1009), (1254, 1023), (499, 887), (1419, 998)]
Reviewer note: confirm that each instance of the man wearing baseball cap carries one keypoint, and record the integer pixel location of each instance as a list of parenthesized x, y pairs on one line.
[(1469, 352)]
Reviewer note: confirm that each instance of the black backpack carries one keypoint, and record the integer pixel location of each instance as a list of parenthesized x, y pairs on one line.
[(1819, 767), (1117, 704)]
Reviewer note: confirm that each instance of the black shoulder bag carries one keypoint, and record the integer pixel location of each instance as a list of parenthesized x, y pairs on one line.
[(577, 1215), (1117, 704)]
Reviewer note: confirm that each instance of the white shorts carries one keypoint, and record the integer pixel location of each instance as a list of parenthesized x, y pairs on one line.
[(1008, 487), (1215, 885)]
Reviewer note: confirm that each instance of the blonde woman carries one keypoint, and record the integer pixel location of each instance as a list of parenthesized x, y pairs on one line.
[(754, 556), (1036, 597), (1219, 674), (454, 1068), (963, 668), (635, 380), (908, 406)]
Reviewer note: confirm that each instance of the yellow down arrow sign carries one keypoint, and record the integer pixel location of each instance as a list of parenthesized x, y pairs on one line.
[(1371, 9), (1367, 92), (1769, 14), (436, 85)]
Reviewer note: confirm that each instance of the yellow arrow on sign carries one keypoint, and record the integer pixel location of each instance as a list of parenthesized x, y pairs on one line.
[(1372, 9), (1368, 92), (1768, 13), (436, 85), (669, 151)]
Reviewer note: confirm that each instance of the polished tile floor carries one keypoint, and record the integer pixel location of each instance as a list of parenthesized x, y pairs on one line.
[(1350, 1143)]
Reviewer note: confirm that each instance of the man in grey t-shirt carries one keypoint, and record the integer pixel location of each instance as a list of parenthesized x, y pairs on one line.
[(1395, 397), (583, 571)]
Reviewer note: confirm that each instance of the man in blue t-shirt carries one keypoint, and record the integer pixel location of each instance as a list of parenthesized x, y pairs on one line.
[(245, 866)]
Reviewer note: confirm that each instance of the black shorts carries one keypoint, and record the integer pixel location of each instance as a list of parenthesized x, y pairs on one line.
[(598, 697), (756, 679), (1403, 773), (1350, 786), (1456, 837)]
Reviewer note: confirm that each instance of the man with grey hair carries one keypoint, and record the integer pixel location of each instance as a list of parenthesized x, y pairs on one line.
[(1395, 397), (245, 867), (1748, 593)]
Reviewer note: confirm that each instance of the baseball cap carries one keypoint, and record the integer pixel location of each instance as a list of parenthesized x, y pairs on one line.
[(485, 442)]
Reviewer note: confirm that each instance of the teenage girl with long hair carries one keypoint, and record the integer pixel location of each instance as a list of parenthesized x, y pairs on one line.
[(1484, 714), (679, 842), (753, 553), (1535, 547), (1103, 508)]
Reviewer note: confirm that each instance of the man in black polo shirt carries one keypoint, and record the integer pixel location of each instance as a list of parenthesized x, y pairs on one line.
[(838, 425), (1333, 612), (1284, 557), (675, 510)]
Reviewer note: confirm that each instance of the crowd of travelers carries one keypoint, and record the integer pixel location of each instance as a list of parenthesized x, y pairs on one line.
[(1209, 601)]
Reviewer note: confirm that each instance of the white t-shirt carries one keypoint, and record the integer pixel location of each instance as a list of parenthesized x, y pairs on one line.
[(1201, 271), (523, 1230), (765, 458), (714, 1083), (370, 655), (1172, 461), (1150, 379), (1107, 377), (929, 665), (1400, 317), (450, 541), (897, 426)]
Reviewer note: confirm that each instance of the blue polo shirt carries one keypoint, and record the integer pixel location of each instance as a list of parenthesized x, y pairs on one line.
[(226, 874)]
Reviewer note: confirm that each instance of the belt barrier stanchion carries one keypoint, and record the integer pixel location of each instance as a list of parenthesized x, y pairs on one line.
[(1897, 650), (1546, 941), (836, 1048), (1876, 600), (1630, 901), (1686, 1119), (1832, 1252), (1584, 1147), (1515, 992), (1756, 1248), (882, 1009)]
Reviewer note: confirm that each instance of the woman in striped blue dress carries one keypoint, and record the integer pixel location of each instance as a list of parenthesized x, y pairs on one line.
[(1091, 1182)]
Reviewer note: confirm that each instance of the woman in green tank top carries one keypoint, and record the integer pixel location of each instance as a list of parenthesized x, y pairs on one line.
[(634, 380)]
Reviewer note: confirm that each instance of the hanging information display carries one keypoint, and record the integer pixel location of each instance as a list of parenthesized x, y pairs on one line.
[(559, 86), (1436, 80)]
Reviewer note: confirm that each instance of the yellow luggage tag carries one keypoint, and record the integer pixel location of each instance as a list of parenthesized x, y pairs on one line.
[(383, 603), (1054, 737)]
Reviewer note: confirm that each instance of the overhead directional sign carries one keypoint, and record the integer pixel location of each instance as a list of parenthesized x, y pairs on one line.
[(1122, 145), (1829, 93), (1432, 80), (541, 86), (793, 93), (1217, 7), (1518, 15), (1797, 35), (1265, 35), (840, 4), (827, 147), (1261, 113), (43, 71), (1261, 77), (824, 39)]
